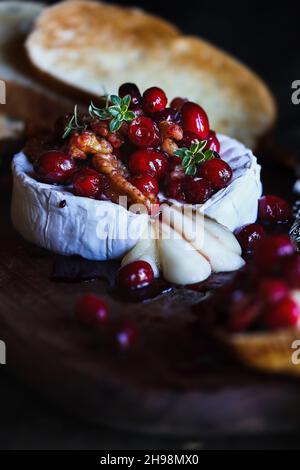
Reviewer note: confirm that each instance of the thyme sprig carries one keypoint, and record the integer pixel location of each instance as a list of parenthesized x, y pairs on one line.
[(117, 112), (74, 124), (194, 156)]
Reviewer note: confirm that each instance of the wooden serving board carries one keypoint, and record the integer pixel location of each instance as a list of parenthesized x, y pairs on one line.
[(171, 382)]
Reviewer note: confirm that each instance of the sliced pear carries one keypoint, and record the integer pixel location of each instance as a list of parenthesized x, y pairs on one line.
[(180, 262), (223, 234), (194, 231), (146, 249)]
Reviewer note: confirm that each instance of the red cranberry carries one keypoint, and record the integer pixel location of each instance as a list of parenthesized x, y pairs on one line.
[(290, 270), (154, 99), (143, 132), (92, 310), (217, 172), (167, 114), (147, 184), (132, 90), (148, 161), (195, 119), (55, 167), (177, 103), (213, 142), (174, 190), (273, 290), (126, 335), (88, 183), (243, 313), (197, 190), (273, 209), (283, 314), (188, 139), (249, 235), (135, 275), (270, 249)]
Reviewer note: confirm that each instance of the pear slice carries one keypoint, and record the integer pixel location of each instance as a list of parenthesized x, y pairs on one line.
[(194, 231), (146, 249), (223, 234), (180, 262)]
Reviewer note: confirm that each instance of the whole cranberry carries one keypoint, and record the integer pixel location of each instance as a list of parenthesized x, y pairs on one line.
[(188, 139), (148, 161), (213, 142), (55, 167), (243, 312), (272, 290), (274, 209), (290, 270), (154, 99), (269, 251), (167, 114), (174, 189), (147, 184), (283, 314), (143, 132), (197, 190), (126, 335), (135, 275), (177, 103), (91, 310), (217, 172), (249, 235), (195, 119), (88, 183), (132, 90)]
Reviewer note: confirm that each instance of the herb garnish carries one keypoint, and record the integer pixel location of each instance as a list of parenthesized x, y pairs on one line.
[(194, 156), (118, 112), (74, 124)]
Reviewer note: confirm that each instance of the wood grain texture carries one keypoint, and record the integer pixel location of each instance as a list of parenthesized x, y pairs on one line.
[(172, 382)]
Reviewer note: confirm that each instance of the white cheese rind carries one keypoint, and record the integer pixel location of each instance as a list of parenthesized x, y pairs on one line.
[(96, 230), (100, 230)]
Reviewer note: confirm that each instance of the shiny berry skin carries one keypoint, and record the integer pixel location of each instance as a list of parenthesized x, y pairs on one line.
[(132, 90), (270, 250), (213, 142), (55, 167), (272, 290), (273, 209), (126, 335), (91, 310), (283, 314), (197, 190), (154, 99), (290, 270), (147, 184), (174, 190), (177, 103), (167, 114), (143, 132), (148, 161), (135, 275), (194, 119), (188, 139), (217, 172), (87, 183), (249, 235)]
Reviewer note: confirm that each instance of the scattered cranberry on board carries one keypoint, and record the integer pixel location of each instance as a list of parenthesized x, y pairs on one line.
[(135, 275), (274, 209), (92, 310), (248, 236)]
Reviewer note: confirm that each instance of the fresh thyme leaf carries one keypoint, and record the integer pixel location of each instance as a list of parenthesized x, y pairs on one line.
[(74, 124), (126, 101), (116, 113), (115, 124), (194, 156), (116, 100)]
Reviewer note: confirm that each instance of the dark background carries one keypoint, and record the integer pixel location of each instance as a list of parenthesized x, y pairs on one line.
[(266, 37)]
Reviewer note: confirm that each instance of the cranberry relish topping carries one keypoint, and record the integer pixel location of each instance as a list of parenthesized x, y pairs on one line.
[(133, 145)]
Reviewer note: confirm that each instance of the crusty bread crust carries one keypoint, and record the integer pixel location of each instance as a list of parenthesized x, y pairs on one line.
[(93, 46)]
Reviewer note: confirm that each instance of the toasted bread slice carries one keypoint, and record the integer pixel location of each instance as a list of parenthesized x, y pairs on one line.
[(95, 46), (28, 101)]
